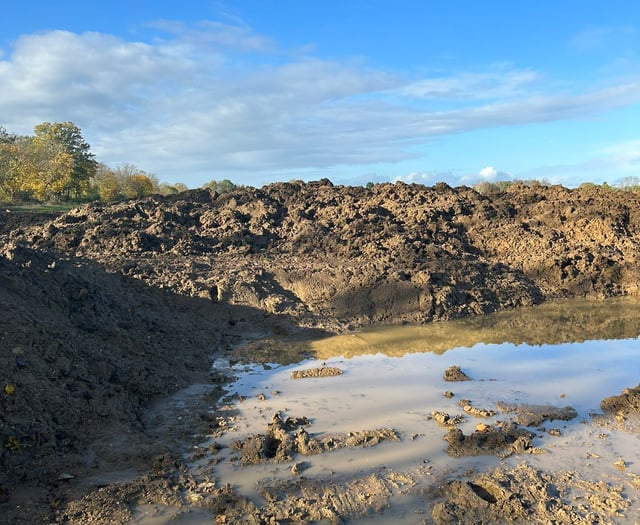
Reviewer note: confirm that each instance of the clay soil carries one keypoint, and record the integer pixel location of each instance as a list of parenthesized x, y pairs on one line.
[(109, 308)]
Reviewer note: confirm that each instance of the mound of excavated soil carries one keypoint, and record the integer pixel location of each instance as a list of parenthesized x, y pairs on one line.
[(108, 307), (82, 352), (335, 256)]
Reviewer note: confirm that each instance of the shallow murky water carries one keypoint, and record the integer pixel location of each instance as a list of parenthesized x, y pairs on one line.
[(563, 354), (571, 353)]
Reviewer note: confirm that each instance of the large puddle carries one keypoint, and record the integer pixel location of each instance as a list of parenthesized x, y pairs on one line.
[(568, 354)]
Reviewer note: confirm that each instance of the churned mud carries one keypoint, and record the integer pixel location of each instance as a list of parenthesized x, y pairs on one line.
[(285, 439), (500, 440), (535, 415), (527, 495)]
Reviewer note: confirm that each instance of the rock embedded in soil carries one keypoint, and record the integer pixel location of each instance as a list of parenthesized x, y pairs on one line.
[(620, 464), (299, 467)]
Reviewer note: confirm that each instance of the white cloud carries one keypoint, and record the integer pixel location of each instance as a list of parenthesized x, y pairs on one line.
[(493, 83), (488, 173), (428, 178), (492, 174), (625, 155), (219, 101)]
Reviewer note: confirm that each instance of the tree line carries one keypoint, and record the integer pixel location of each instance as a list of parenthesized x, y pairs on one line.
[(56, 164)]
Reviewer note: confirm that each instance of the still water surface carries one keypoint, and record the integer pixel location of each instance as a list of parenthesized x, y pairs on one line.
[(567, 353)]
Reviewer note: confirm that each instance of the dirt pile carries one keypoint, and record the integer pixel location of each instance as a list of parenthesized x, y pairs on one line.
[(335, 256), (83, 352)]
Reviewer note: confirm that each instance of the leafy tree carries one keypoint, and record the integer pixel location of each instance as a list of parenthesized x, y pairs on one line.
[(125, 182), (8, 173), (106, 184), (134, 182), (220, 186), (45, 170), (9, 176), (57, 164), (69, 137), (630, 183), (180, 187), (137, 186), (171, 189)]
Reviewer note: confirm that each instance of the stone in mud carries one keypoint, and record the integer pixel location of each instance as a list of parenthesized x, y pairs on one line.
[(534, 415), (454, 373), (321, 371)]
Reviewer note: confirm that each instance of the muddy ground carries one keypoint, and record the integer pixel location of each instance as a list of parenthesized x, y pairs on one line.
[(109, 307)]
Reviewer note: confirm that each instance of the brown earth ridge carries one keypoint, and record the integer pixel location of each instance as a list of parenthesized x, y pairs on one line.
[(108, 307)]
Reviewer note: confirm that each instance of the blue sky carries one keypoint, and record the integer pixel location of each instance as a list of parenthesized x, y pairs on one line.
[(258, 91)]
